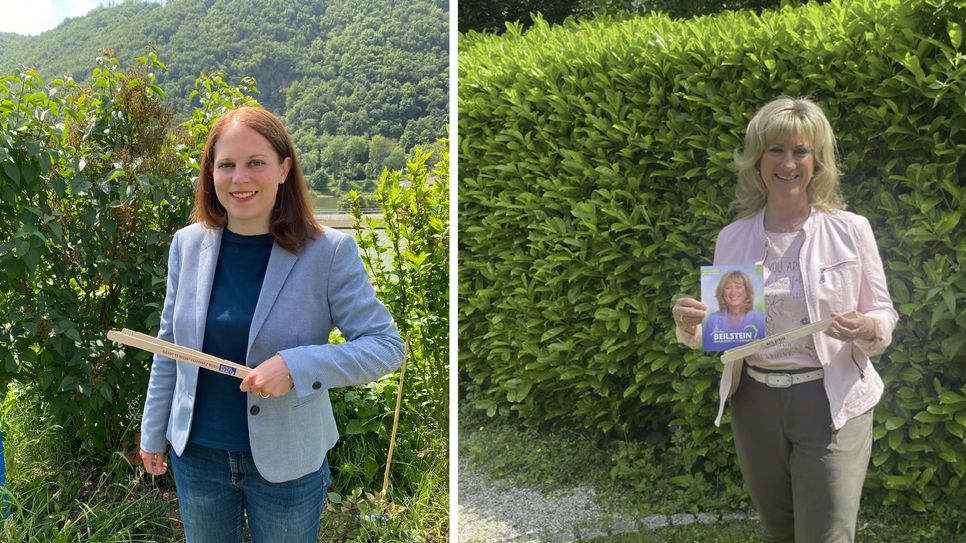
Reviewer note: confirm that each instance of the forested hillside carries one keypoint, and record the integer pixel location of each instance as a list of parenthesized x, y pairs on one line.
[(358, 82)]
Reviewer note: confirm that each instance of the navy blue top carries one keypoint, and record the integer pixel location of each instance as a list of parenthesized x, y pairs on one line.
[(220, 420)]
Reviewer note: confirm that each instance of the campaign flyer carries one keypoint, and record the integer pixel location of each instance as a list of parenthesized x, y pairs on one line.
[(735, 297)]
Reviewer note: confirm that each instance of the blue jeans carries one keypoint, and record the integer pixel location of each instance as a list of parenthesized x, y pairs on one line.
[(217, 488)]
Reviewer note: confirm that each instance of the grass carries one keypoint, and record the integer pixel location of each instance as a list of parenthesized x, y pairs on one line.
[(58, 495), (416, 511), (904, 529), (724, 532), (638, 480), (65, 509)]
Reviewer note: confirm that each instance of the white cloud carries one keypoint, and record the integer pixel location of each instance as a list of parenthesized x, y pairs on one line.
[(36, 16)]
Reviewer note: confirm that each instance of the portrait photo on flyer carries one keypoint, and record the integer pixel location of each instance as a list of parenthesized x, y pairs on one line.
[(735, 298)]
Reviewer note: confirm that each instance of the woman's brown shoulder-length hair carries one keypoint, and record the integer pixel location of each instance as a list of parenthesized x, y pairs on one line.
[(292, 222)]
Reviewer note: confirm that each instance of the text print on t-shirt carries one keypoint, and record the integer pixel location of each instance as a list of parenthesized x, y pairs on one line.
[(785, 307)]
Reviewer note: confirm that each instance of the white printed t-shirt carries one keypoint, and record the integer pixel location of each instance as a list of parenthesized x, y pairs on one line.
[(785, 307)]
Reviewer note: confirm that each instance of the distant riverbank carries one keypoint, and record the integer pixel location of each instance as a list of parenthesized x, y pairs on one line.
[(324, 203), (330, 213)]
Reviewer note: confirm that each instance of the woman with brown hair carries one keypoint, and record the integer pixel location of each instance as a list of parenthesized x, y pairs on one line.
[(257, 281)]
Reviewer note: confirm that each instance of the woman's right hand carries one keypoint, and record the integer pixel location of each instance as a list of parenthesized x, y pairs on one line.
[(688, 314), (154, 463)]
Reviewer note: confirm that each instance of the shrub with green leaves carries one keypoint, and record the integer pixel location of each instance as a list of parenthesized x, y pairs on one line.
[(596, 170), (406, 252), (94, 181)]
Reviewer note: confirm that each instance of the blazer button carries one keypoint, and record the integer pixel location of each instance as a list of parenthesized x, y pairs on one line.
[(316, 385), (254, 410)]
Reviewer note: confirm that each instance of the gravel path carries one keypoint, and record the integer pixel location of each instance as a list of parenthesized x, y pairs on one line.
[(498, 511)]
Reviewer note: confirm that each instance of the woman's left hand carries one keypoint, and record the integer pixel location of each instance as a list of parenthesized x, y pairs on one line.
[(270, 378), (848, 330)]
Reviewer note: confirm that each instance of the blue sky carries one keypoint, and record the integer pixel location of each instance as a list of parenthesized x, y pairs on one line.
[(35, 16)]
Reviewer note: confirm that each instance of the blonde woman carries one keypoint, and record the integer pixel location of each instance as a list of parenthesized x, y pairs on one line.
[(802, 411)]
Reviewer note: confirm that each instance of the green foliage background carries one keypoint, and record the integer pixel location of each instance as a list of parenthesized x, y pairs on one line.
[(596, 171), (94, 181), (408, 259), (493, 15), (341, 73)]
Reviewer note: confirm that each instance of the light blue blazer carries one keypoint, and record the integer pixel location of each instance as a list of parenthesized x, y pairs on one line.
[(303, 297)]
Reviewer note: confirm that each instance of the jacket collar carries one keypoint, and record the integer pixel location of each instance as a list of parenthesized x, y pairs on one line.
[(280, 264), (207, 263)]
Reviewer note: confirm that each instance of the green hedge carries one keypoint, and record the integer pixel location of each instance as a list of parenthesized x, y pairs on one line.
[(596, 170)]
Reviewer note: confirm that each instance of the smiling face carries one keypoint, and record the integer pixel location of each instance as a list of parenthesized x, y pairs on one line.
[(247, 172), (735, 294), (786, 168)]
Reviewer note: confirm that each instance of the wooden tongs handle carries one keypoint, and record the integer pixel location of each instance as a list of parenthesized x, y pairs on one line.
[(756, 347), (177, 352)]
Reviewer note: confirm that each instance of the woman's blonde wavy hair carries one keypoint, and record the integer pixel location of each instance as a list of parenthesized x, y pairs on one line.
[(784, 116)]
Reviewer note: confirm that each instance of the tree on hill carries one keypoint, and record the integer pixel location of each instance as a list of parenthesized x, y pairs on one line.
[(329, 68)]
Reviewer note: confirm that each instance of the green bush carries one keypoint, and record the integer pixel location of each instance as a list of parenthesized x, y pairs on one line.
[(94, 181), (406, 252), (596, 170)]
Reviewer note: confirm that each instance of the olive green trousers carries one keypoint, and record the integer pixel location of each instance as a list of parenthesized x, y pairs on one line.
[(805, 479)]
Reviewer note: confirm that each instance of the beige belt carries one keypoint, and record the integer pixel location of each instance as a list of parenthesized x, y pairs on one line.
[(784, 380)]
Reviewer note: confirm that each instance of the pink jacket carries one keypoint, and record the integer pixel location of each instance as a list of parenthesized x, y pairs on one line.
[(842, 271)]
